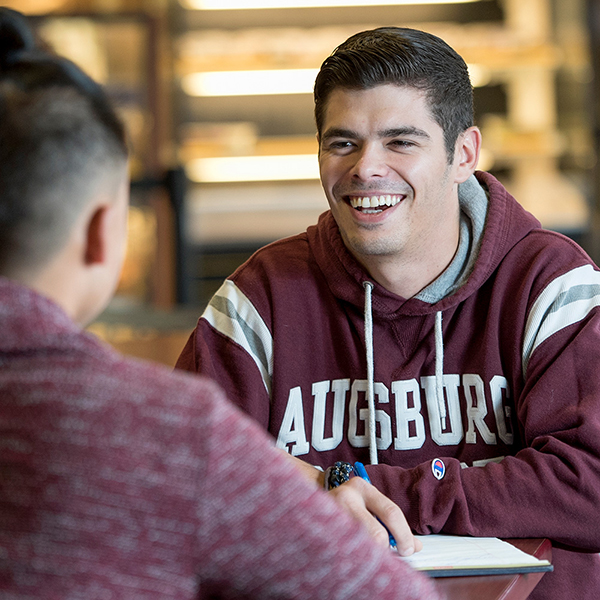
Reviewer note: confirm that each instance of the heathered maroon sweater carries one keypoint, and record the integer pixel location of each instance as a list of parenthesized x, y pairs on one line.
[(122, 480)]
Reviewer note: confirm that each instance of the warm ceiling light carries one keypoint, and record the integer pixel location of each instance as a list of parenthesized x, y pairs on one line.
[(274, 81), (34, 7), (253, 168), (246, 4), (250, 83)]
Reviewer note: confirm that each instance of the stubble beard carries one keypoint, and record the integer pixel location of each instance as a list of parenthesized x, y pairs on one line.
[(360, 246)]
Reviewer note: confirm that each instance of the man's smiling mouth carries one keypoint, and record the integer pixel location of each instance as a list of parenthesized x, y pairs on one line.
[(374, 204)]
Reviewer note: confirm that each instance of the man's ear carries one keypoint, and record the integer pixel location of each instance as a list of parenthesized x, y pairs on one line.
[(95, 242), (468, 147)]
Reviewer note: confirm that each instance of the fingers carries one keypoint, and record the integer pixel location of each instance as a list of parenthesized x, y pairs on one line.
[(352, 499), (367, 504), (393, 518)]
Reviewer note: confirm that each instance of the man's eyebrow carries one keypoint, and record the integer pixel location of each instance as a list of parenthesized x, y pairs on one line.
[(338, 132), (400, 131)]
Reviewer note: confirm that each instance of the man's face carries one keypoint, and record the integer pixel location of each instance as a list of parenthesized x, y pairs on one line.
[(385, 171)]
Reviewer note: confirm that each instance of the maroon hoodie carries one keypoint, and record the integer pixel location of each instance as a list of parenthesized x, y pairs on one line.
[(506, 393)]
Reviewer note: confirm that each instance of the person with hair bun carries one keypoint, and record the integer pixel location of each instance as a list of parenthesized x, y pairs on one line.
[(120, 478)]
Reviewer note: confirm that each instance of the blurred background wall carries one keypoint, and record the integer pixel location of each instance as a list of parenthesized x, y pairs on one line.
[(217, 98)]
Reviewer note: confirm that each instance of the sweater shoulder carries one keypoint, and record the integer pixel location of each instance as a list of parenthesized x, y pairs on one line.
[(94, 369), (275, 268), (538, 260), (279, 256), (549, 252)]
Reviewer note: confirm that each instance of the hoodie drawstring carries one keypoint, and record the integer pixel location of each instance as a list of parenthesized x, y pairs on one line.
[(370, 370), (439, 370)]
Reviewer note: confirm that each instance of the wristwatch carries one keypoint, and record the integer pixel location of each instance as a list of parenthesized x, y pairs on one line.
[(338, 474)]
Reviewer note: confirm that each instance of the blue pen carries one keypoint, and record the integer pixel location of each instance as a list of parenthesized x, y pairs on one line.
[(360, 471)]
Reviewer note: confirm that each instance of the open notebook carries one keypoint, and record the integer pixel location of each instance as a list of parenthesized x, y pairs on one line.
[(453, 556)]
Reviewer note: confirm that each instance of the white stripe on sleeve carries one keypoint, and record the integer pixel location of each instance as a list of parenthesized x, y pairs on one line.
[(566, 300), (231, 313)]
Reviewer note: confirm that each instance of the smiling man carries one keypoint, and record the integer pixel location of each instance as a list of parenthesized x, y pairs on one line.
[(426, 325)]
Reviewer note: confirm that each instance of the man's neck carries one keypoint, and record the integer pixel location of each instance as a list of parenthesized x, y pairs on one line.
[(407, 277), (454, 261)]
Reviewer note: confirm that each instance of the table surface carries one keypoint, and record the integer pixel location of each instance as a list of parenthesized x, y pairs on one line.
[(498, 587)]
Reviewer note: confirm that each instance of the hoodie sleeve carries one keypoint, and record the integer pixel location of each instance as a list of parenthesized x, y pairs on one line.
[(232, 345), (551, 486)]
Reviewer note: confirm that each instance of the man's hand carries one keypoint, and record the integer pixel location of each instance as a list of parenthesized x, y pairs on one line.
[(365, 502)]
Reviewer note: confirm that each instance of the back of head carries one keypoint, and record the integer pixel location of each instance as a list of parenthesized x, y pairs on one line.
[(404, 57), (60, 143)]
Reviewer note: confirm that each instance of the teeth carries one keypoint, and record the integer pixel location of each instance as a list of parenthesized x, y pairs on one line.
[(374, 201)]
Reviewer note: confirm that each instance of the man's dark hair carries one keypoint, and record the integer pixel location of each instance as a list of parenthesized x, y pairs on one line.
[(403, 57), (60, 140)]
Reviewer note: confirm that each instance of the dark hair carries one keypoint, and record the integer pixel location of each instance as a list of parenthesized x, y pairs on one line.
[(60, 140), (404, 57)]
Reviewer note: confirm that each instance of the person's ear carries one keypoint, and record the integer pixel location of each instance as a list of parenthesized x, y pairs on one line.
[(468, 147), (96, 242)]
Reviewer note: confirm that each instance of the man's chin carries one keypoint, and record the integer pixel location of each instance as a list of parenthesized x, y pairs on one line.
[(361, 246)]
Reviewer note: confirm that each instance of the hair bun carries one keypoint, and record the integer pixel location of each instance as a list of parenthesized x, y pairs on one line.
[(15, 36)]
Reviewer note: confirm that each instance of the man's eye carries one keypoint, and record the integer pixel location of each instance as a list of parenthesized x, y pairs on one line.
[(340, 144), (401, 143)]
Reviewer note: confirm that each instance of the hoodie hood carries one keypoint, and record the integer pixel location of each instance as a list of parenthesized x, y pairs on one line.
[(507, 223)]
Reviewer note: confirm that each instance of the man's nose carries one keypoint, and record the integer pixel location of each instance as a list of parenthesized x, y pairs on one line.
[(370, 162)]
